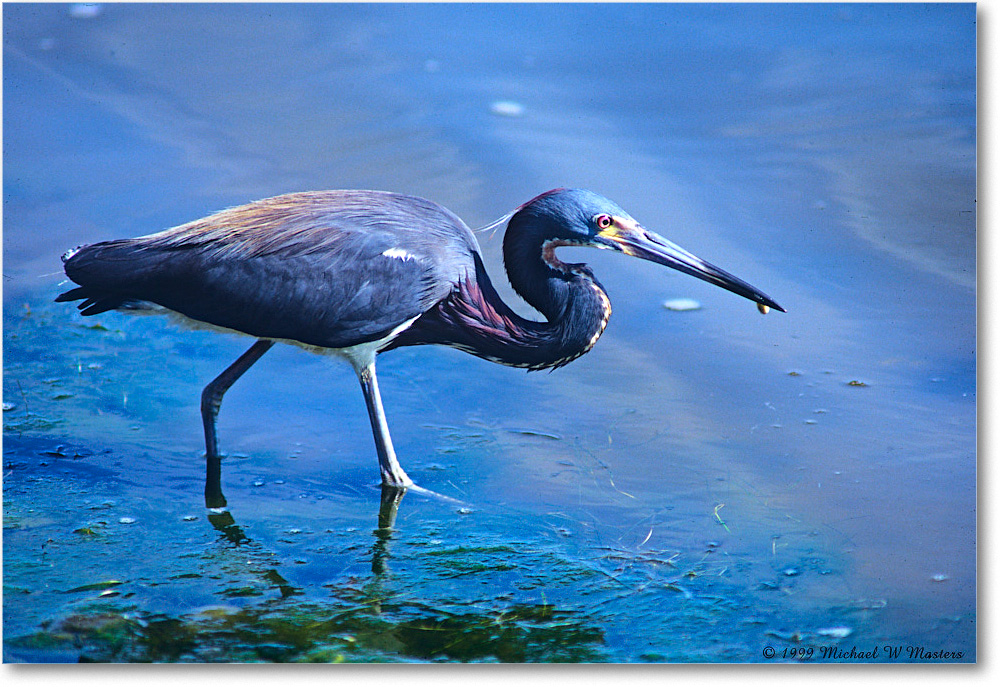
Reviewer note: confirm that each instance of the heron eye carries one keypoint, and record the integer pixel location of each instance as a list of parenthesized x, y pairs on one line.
[(604, 221)]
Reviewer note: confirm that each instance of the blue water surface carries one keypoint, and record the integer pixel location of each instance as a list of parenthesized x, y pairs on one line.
[(708, 485)]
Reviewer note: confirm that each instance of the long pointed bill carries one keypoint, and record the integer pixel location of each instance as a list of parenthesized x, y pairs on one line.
[(629, 237)]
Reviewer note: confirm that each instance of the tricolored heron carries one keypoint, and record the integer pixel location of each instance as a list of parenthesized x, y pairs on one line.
[(356, 273)]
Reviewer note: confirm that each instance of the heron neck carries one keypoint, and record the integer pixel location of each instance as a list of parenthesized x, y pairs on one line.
[(475, 319)]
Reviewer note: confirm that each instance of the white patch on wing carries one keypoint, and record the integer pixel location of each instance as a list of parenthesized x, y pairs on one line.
[(399, 253)]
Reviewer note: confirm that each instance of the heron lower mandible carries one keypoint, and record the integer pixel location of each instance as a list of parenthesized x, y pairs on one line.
[(357, 273)]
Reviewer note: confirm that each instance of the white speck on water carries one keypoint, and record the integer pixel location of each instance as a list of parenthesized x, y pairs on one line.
[(258, 483), (9, 406), (507, 108), (835, 632), (940, 577), (682, 304), (190, 518), (85, 10), (464, 511), (126, 521)]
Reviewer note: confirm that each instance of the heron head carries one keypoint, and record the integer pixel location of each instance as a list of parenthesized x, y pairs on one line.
[(576, 217)]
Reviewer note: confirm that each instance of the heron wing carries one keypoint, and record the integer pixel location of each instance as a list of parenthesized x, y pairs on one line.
[(330, 269)]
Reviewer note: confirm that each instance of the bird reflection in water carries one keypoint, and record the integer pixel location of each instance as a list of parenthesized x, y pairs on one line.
[(222, 519)]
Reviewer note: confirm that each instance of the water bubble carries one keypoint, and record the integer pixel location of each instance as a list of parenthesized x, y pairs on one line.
[(85, 10), (507, 108), (835, 632), (682, 304)]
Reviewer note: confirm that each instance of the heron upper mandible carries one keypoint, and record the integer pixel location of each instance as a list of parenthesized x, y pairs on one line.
[(356, 273)]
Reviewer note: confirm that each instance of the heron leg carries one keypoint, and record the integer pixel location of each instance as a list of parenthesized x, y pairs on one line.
[(211, 399), (392, 472)]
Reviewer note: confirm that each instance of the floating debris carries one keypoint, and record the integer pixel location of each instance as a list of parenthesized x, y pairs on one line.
[(126, 521), (96, 586), (867, 604), (535, 433), (794, 373), (507, 108), (9, 406), (835, 632), (940, 577), (464, 511), (682, 304), (790, 572), (855, 382)]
